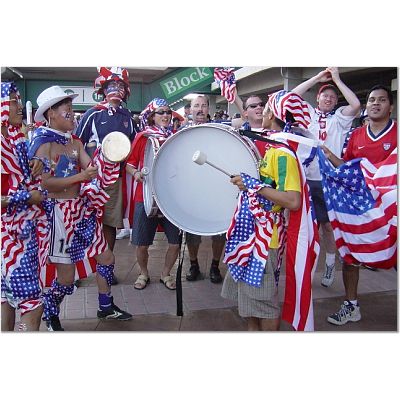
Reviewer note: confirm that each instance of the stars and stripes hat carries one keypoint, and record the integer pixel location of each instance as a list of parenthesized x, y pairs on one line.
[(150, 108), (107, 74), (6, 89), (289, 107), (48, 98)]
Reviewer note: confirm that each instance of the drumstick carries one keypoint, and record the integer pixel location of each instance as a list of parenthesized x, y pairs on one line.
[(201, 158), (28, 112)]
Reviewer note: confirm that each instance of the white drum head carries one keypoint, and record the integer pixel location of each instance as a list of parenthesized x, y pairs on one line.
[(198, 198), (116, 146)]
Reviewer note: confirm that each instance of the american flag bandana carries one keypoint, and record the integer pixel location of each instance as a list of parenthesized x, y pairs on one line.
[(361, 200), (151, 107), (6, 89), (282, 102), (225, 78), (249, 234)]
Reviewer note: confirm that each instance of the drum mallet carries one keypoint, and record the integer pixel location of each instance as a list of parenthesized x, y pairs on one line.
[(201, 158)]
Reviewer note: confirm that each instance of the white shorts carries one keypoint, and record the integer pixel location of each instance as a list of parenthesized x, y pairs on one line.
[(58, 247)]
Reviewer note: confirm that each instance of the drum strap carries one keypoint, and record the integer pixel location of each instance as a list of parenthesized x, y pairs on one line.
[(256, 136)]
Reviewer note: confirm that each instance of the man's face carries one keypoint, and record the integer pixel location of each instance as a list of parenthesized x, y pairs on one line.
[(378, 105), (62, 117), (115, 91), (266, 121), (15, 117), (254, 107), (327, 100), (200, 109)]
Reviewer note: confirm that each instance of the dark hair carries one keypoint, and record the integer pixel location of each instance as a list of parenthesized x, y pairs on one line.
[(377, 87), (55, 106)]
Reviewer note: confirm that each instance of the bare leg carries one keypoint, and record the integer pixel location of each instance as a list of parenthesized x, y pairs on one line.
[(217, 249), (110, 233), (193, 250), (329, 239), (30, 321), (269, 324), (170, 258), (253, 324), (142, 255), (7, 317), (350, 280)]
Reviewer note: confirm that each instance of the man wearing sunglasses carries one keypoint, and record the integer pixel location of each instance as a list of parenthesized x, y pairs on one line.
[(108, 116), (330, 127)]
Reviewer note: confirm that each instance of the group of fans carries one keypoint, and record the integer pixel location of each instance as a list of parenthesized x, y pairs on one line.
[(63, 201)]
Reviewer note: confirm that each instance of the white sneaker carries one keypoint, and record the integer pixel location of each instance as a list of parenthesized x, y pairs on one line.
[(329, 275), (348, 312), (123, 233)]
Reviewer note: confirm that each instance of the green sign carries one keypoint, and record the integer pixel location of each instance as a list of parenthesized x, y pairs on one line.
[(187, 79)]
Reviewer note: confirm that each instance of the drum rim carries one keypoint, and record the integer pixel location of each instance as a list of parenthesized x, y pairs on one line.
[(252, 149)]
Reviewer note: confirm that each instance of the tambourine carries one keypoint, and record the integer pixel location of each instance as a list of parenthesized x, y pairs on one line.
[(116, 147)]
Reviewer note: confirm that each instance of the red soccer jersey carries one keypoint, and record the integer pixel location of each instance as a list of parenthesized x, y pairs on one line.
[(377, 148)]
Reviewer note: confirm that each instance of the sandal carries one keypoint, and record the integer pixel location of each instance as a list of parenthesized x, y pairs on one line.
[(141, 282), (168, 282)]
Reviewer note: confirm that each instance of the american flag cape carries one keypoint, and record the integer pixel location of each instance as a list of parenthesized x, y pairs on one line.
[(25, 228), (361, 200), (225, 78), (83, 215), (301, 240)]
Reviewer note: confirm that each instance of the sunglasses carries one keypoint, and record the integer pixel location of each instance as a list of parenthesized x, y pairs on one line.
[(255, 105), (168, 112)]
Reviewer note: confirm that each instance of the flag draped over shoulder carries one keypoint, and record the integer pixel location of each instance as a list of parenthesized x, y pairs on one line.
[(301, 239), (82, 217), (225, 78), (361, 200)]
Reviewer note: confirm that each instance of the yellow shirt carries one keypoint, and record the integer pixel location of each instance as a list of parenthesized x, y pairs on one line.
[(279, 169)]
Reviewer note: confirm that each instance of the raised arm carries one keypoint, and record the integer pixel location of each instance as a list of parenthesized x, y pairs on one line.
[(323, 76), (354, 106)]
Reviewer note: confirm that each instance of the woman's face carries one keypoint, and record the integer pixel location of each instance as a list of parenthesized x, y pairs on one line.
[(162, 116), (16, 115)]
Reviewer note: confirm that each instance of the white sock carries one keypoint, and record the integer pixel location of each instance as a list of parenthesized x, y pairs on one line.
[(354, 302), (330, 258)]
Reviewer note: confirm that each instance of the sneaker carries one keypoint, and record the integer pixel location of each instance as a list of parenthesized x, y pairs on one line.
[(123, 233), (329, 275), (348, 312), (54, 324), (194, 272), (113, 312), (215, 275)]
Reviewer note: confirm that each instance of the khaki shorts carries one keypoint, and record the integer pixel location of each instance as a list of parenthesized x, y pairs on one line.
[(113, 213), (262, 302)]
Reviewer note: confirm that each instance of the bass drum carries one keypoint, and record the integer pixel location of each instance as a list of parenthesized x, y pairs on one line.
[(153, 144), (198, 198)]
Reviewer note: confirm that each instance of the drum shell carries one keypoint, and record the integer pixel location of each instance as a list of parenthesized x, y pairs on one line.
[(197, 198), (153, 144)]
